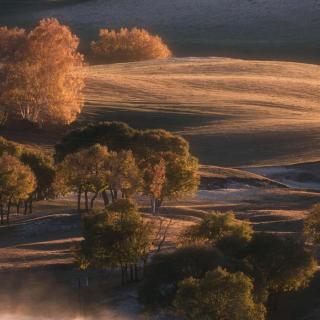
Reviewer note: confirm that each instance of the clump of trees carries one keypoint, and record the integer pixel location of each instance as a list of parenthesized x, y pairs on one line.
[(110, 158), (41, 74), (17, 182), (116, 238), (221, 258), (97, 170), (27, 175), (127, 45)]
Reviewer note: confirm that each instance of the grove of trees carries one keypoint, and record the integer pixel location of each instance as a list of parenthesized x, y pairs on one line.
[(127, 45), (222, 263), (110, 158), (26, 175)]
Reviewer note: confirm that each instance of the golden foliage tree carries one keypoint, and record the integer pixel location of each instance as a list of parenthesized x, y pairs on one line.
[(42, 76), (128, 45), (97, 170), (17, 182)]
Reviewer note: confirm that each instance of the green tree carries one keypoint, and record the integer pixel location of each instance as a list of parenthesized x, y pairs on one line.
[(117, 238), (17, 182), (279, 264), (166, 270), (44, 171), (216, 226), (311, 228), (220, 295)]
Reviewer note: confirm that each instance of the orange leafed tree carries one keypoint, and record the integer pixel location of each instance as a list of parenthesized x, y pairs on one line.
[(42, 77), (128, 45)]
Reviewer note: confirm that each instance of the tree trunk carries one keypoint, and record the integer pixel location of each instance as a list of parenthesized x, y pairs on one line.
[(158, 203), (105, 198), (30, 205), (131, 273), (2, 213), (112, 195), (122, 275), (136, 274), (18, 206), (79, 199), (153, 205), (86, 200), (126, 273), (92, 199), (8, 211), (25, 207), (115, 195)]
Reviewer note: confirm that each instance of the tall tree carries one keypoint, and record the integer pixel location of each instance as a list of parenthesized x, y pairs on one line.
[(44, 171), (42, 77)]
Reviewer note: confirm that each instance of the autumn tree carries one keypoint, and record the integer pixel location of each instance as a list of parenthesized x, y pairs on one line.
[(116, 238), (127, 45), (219, 295), (17, 182), (41, 77), (97, 170), (11, 41)]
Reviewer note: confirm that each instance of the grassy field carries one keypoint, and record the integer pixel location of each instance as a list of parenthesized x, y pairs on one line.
[(233, 112)]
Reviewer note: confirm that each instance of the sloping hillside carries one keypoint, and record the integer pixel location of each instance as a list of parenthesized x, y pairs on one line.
[(233, 112), (272, 28)]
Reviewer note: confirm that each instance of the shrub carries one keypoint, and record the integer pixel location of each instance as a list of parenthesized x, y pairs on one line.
[(166, 270), (219, 295), (128, 45), (215, 227)]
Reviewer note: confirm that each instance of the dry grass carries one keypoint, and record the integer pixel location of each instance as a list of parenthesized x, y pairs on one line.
[(234, 112)]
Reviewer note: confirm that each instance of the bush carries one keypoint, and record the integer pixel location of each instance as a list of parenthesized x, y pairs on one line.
[(219, 295), (166, 270), (280, 264), (216, 227), (128, 45)]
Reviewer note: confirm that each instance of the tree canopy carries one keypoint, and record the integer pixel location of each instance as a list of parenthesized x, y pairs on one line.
[(219, 295)]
